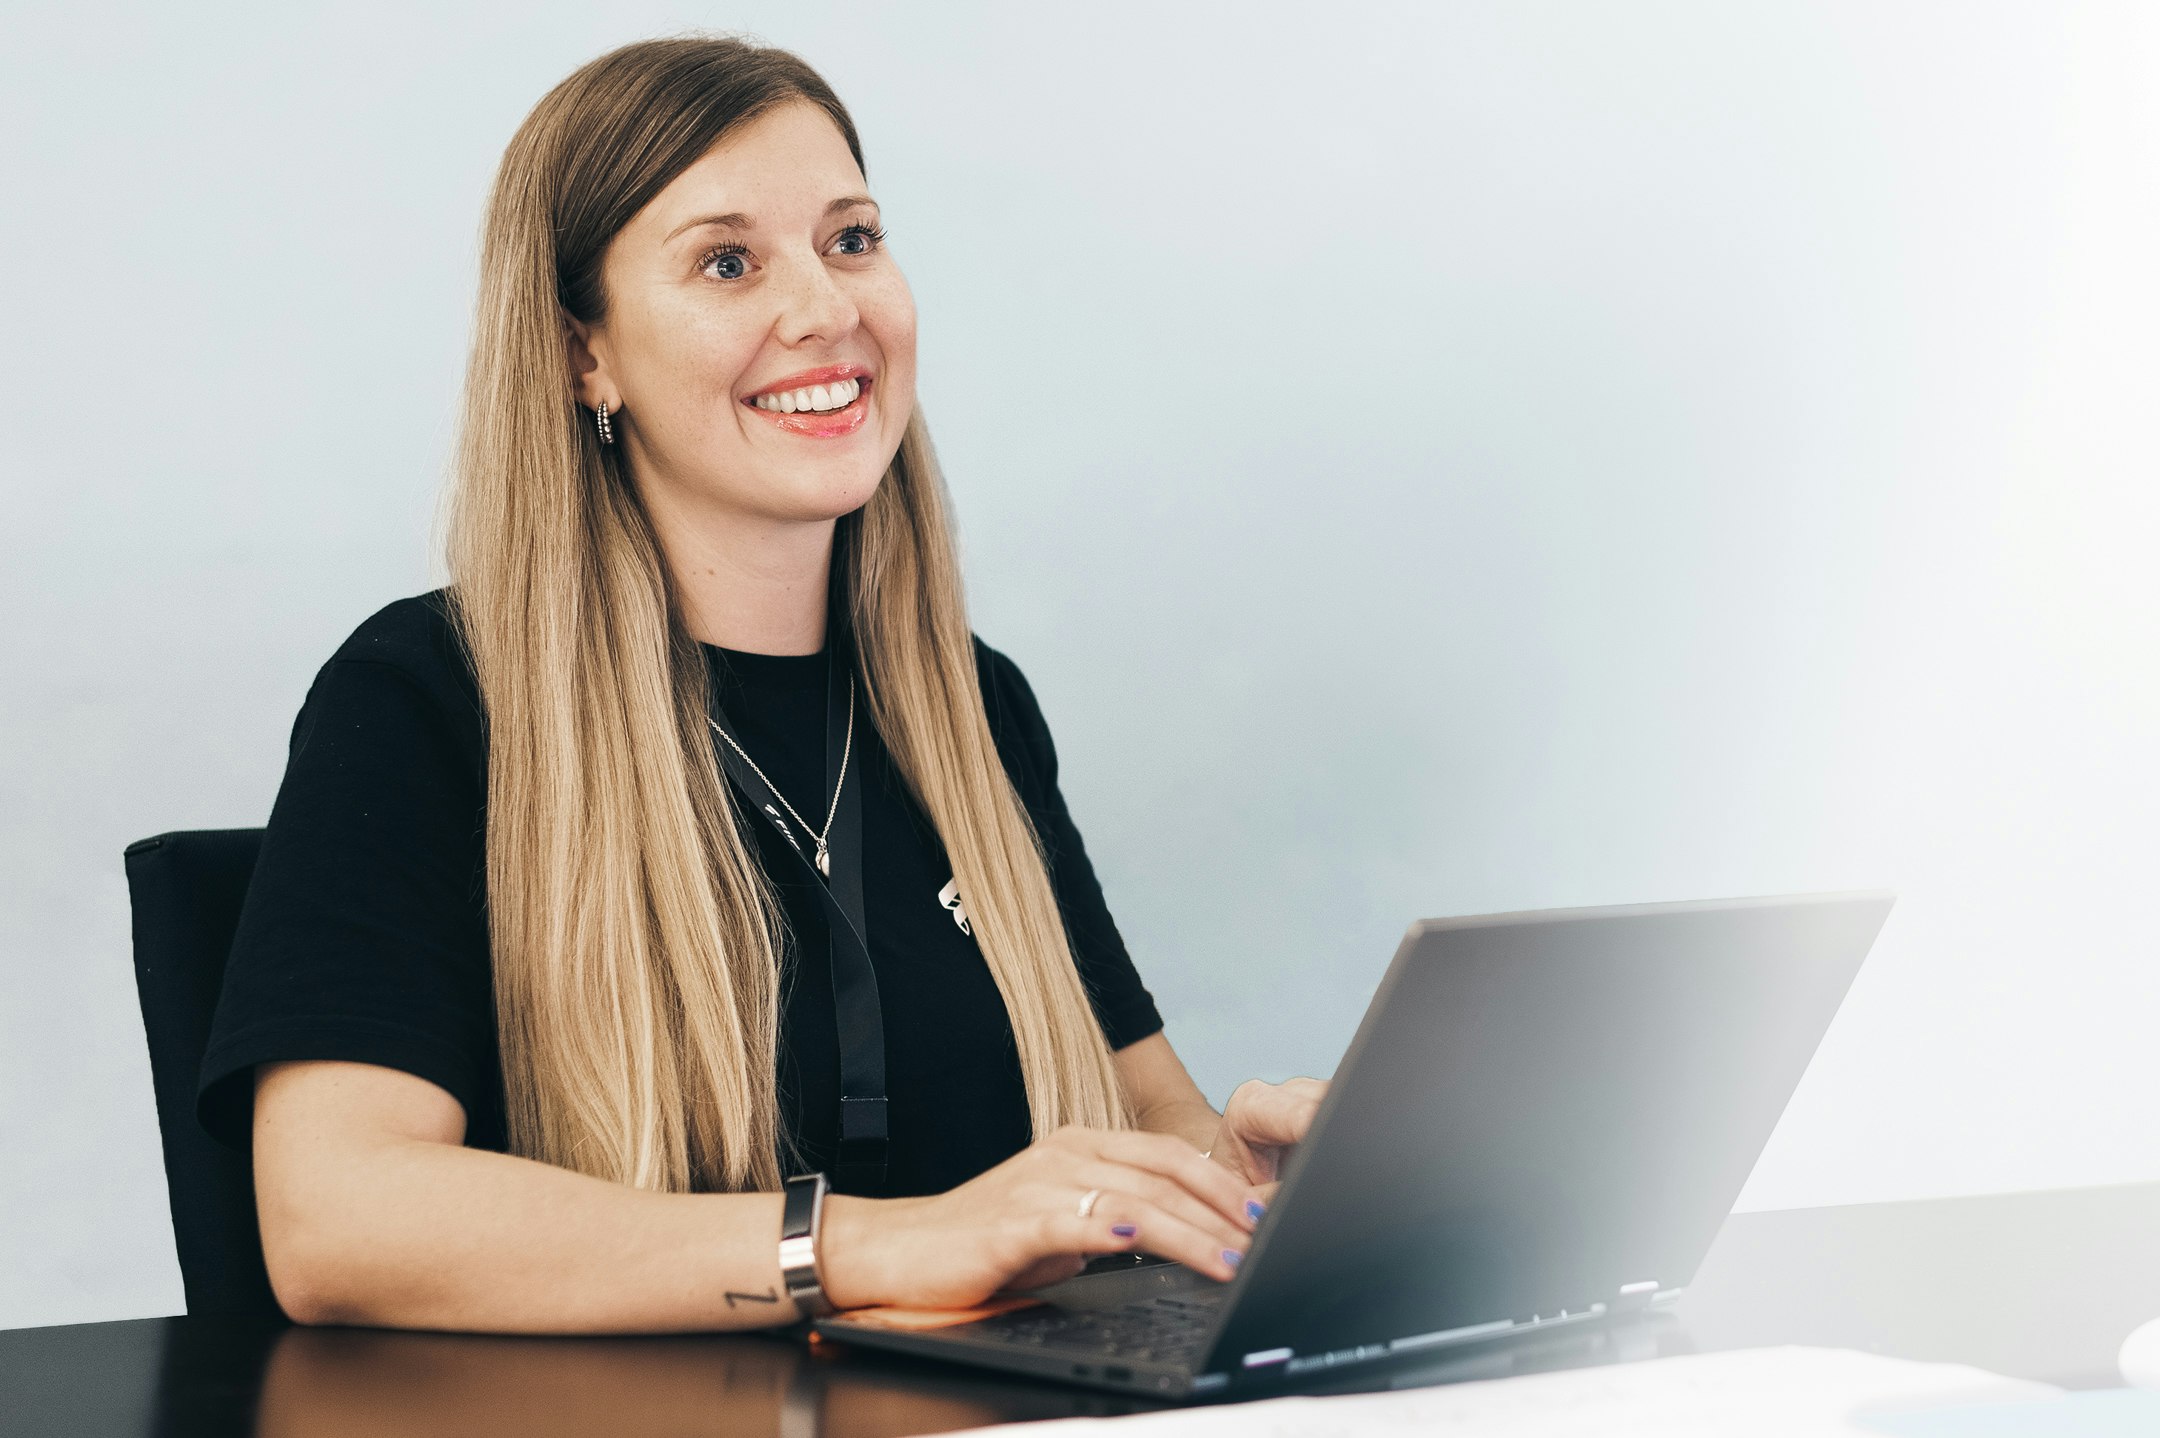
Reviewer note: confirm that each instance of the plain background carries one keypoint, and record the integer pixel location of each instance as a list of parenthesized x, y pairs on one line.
[(1429, 459)]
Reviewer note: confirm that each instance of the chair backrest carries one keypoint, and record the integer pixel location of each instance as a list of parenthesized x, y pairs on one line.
[(186, 890)]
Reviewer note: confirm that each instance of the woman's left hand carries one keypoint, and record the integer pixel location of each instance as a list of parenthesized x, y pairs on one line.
[(1262, 1122)]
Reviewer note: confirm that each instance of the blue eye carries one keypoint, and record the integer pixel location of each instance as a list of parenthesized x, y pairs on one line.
[(725, 262), (869, 237)]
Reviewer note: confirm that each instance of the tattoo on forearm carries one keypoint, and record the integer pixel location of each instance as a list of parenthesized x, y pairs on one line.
[(768, 1296)]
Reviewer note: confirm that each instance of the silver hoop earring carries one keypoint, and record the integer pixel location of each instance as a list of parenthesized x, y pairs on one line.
[(600, 419)]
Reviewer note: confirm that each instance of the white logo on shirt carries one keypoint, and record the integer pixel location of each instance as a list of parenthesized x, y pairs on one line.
[(949, 896)]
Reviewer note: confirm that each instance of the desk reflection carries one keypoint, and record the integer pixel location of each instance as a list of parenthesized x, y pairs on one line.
[(361, 1383), (358, 1383)]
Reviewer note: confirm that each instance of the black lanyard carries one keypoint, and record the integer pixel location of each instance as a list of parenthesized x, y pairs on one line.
[(859, 1017)]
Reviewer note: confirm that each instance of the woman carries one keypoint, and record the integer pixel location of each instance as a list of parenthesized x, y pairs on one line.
[(535, 1011)]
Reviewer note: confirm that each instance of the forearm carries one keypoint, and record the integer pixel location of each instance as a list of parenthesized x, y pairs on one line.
[(410, 1233), (373, 1211), (1163, 1096)]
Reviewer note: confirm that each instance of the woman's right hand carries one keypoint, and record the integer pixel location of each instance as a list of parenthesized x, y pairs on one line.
[(1018, 1225)]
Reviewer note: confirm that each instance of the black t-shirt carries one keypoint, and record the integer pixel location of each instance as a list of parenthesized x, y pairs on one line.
[(364, 934)]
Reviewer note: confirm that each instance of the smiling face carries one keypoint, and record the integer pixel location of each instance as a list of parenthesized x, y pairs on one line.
[(759, 342)]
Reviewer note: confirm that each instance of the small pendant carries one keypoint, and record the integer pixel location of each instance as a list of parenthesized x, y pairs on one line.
[(824, 861)]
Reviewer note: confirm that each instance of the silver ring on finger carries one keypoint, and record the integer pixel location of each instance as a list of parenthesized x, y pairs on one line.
[(1087, 1202)]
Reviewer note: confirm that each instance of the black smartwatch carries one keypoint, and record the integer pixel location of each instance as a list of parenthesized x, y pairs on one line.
[(802, 1208)]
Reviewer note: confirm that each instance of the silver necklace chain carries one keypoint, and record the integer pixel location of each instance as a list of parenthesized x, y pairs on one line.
[(847, 747)]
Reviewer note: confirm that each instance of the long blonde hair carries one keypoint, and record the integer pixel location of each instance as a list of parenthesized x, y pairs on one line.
[(636, 943)]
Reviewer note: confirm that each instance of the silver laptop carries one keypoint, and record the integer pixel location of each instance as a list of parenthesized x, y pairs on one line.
[(1543, 1120)]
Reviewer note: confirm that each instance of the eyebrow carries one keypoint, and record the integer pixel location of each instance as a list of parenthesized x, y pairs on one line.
[(737, 220)]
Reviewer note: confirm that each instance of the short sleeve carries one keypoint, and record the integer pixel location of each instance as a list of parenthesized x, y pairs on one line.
[(363, 936), (1123, 1005)]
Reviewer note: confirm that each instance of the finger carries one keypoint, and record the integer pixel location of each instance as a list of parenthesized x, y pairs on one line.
[(1245, 1163), (1124, 1222), (1164, 1194), (1183, 1164), (1275, 1114)]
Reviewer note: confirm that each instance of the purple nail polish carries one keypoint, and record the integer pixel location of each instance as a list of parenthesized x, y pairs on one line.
[(1232, 1257), (1125, 1230), (1255, 1209)]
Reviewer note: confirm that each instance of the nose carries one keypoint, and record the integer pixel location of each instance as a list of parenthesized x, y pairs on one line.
[(812, 307)]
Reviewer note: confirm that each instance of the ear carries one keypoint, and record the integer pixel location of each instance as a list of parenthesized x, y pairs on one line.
[(589, 376)]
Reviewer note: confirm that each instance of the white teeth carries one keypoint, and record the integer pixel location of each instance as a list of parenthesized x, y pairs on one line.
[(819, 398)]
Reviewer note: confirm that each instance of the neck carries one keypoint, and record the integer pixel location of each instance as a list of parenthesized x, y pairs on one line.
[(747, 582)]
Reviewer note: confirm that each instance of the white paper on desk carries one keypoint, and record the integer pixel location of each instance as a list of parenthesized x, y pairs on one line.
[(1758, 1392)]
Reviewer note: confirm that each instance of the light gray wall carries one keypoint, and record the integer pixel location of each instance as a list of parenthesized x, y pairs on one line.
[(1429, 460)]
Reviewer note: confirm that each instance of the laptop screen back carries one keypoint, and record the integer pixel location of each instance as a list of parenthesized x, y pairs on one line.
[(1541, 1111)]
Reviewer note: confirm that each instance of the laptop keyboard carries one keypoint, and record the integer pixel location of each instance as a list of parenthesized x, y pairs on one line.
[(1155, 1330)]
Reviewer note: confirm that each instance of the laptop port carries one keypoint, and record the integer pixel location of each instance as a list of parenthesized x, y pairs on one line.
[(1121, 1375)]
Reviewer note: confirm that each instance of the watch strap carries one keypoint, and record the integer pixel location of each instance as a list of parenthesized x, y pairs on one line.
[(802, 1208)]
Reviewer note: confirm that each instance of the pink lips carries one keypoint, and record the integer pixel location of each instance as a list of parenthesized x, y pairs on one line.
[(843, 421)]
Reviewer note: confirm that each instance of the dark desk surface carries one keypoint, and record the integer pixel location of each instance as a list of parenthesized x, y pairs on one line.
[(2042, 1285)]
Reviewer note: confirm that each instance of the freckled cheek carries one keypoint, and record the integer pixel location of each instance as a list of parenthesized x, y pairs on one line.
[(713, 372), (892, 325)]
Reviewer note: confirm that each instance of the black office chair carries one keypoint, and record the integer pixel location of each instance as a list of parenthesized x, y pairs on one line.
[(186, 889)]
